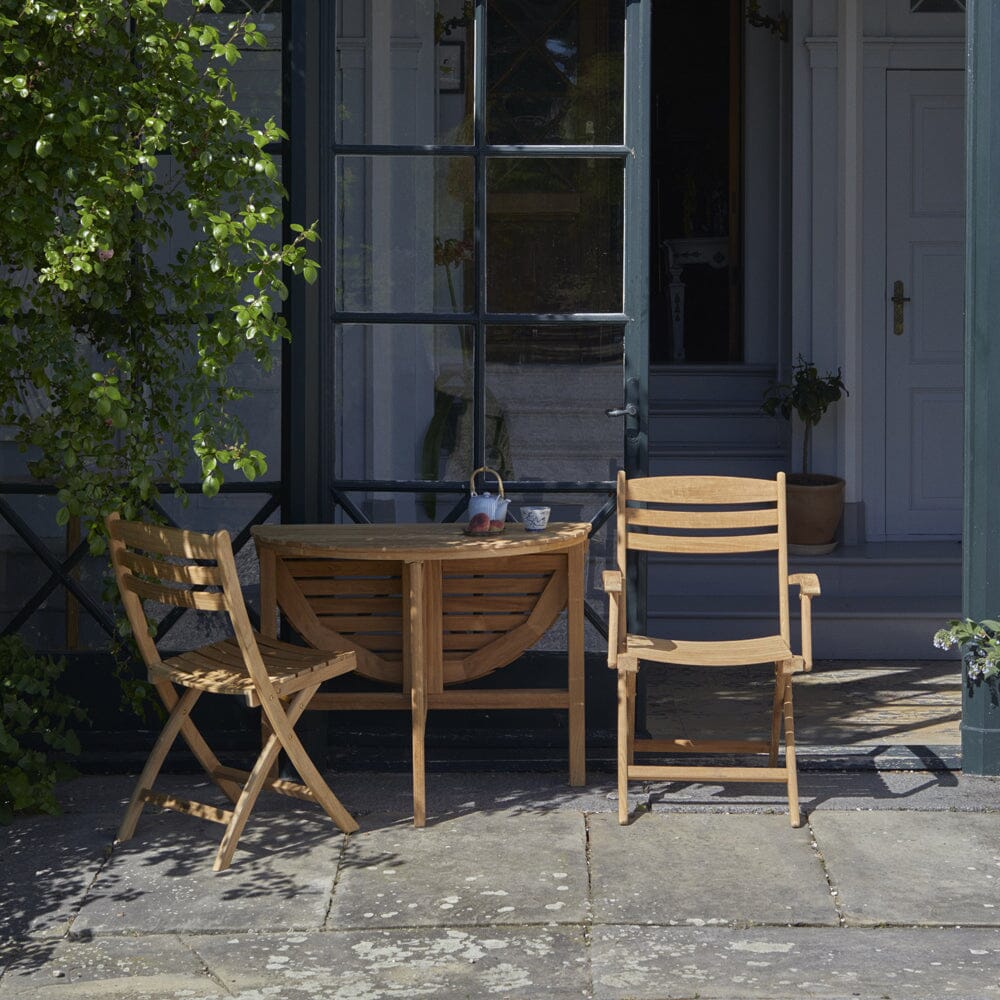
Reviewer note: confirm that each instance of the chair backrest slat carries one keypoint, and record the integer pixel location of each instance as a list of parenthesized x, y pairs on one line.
[(160, 569), (715, 519), (703, 490), (165, 541), (703, 544), (199, 600)]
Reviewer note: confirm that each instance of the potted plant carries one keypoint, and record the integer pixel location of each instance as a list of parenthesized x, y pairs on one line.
[(815, 500), (979, 643)]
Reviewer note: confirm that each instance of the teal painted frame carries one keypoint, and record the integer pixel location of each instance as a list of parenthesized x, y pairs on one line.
[(981, 523)]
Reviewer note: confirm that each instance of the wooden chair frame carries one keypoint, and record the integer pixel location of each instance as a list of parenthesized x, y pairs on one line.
[(188, 569), (707, 515)]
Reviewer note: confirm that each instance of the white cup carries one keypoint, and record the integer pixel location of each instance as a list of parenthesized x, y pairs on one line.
[(535, 518)]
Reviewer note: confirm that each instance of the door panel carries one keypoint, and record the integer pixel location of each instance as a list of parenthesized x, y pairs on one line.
[(925, 250)]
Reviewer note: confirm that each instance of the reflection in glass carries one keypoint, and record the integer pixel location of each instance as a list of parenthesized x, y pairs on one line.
[(554, 235), (555, 72), (552, 385), (404, 72), (403, 411), (404, 234)]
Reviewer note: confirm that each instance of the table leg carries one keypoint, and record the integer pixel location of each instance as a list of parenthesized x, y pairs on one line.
[(575, 558), (414, 655), (268, 592)]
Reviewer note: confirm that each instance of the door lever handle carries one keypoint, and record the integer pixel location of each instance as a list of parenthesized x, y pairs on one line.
[(898, 298), (629, 410)]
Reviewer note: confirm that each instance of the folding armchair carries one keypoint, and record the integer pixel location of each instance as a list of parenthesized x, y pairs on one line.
[(706, 516), (168, 566)]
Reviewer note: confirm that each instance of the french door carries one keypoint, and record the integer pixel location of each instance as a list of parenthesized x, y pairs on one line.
[(485, 258)]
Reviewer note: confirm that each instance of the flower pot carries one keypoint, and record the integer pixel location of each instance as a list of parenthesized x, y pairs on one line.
[(815, 507)]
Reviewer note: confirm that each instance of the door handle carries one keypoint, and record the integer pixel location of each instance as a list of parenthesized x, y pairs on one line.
[(898, 298), (628, 410)]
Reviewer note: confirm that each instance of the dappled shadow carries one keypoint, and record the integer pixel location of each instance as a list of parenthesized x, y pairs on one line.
[(840, 703)]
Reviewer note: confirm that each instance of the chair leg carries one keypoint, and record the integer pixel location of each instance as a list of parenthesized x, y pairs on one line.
[(282, 722), (196, 744), (625, 737), (780, 679), (793, 781), (178, 717)]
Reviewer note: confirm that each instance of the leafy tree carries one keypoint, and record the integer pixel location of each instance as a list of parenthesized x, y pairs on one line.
[(138, 258)]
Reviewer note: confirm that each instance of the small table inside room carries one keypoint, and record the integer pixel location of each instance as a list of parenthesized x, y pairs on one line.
[(427, 607)]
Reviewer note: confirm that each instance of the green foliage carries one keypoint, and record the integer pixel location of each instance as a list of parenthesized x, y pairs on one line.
[(979, 642), (138, 263), (34, 738), (808, 395)]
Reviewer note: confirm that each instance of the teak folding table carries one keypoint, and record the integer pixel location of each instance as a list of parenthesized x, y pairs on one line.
[(428, 606)]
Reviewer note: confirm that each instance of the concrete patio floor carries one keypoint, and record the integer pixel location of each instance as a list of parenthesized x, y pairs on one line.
[(519, 887)]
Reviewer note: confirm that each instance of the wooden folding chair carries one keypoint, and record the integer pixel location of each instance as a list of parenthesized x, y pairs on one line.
[(186, 569), (706, 515)]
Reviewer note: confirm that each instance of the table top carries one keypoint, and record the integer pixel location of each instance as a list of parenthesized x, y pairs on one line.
[(414, 542)]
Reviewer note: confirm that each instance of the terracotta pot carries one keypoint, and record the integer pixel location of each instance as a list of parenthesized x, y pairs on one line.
[(815, 507)]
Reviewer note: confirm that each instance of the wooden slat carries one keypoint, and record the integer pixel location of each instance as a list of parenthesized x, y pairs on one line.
[(190, 808), (652, 772), (164, 541), (387, 570), (206, 576), (534, 584), (702, 489), (346, 624), (704, 544), (332, 586), (513, 566), (198, 599), (701, 746), (724, 653), (467, 642), (718, 519), (481, 623), (492, 604), (356, 605), (500, 699)]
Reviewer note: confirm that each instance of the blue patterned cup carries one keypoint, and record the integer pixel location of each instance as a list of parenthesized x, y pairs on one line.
[(535, 518)]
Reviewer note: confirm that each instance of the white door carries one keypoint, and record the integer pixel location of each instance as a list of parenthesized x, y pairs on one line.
[(925, 264)]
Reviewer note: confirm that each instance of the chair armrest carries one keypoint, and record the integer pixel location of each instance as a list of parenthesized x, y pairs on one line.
[(614, 588), (808, 584)]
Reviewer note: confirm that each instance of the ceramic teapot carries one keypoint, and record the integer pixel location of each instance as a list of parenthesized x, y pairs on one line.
[(487, 512)]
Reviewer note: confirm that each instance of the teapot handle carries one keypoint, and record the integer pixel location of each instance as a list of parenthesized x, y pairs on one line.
[(485, 468)]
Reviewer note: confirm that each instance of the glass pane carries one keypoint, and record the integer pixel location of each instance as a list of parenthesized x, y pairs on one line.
[(549, 387), (554, 235), (555, 71), (404, 234), (403, 410), (404, 72)]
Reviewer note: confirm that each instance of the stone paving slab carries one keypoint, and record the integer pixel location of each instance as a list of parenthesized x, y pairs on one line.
[(161, 880), (447, 962), (659, 963), (46, 865), (495, 867), (124, 967), (913, 867), (703, 869)]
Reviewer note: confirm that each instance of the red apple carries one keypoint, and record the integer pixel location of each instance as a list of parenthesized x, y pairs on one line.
[(496, 525), (479, 523)]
